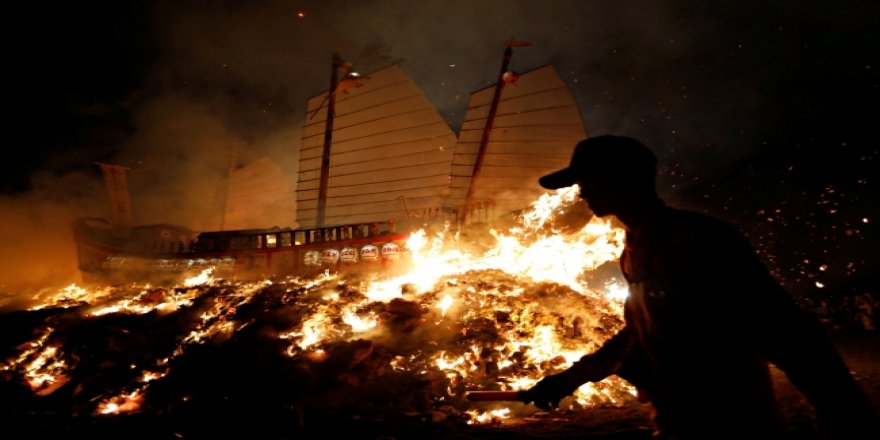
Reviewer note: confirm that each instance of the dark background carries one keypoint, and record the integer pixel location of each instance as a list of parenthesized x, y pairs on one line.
[(763, 112)]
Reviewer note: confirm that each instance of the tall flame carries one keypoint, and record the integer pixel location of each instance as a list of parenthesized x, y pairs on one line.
[(496, 316)]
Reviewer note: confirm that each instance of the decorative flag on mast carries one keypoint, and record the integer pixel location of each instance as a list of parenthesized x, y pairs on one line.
[(350, 80), (505, 76), (510, 77)]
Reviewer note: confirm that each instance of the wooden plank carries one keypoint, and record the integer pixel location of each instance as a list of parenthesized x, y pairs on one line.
[(556, 148), (548, 99), (527, 173), (311, 151), (384, 206), (459, 181), (551, 155), (536, 128), (380, 130), (399, 185), (535, 81), (464, 163), (382, 78), (378, 86), (467, 147), (520, 196), (305, 176), (307, 204), (509, 193), (369, 212), (463, 169), (530, 82), (437, 191), (551, 115), (378, 146), (534, 160), (492, 182), (433, 147), (433, 131), (415, 110), (423, 138), (381, 101), (396, 165), (392, 189), (415, 172), (307, 184), (570, 133), (309, 164)]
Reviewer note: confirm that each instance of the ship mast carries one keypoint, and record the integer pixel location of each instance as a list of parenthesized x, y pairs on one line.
[(490, 119), (229, 172), (328, 140), (121, 217)]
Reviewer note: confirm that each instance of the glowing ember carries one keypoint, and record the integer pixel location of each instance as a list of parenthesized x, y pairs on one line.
[(122, 404), (203, 278), (444, 304), (357, 323), (492, 416), (459, 317)]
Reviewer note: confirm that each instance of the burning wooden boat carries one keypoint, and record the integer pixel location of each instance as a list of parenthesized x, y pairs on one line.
[(302, 353), (169, 253), (377, 162)]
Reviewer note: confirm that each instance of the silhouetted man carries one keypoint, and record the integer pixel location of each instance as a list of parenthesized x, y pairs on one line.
[(704, 317)]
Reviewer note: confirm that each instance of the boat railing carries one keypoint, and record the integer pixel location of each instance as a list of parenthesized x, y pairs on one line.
[(259, 239)]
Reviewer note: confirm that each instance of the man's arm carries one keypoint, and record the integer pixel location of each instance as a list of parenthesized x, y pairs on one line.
[(592, 367), (605, 361)]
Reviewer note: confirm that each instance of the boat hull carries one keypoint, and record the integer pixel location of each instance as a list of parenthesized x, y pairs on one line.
[(111, 258)]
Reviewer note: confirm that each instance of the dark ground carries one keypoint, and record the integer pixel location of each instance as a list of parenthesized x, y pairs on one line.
[(240, 420)]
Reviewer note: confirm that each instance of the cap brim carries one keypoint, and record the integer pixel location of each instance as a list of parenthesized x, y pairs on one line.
[(559, 179)]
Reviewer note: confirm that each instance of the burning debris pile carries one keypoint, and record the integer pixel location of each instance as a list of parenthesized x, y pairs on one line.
[(345, 346)]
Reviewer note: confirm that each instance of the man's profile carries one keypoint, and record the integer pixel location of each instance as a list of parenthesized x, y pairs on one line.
[(704, 318)]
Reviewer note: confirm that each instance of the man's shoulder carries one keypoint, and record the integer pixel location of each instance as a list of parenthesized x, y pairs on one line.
[(682, 223), (692, 237), (678, 216)]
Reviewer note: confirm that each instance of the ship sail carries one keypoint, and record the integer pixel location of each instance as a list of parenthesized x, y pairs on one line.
[(535, 126), (390, 153), (374, 151), (255, 195)]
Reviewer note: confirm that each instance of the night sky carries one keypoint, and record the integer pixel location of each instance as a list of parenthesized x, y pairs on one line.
[(762, 112)]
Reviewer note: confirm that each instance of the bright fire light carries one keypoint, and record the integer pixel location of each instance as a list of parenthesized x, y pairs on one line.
[(499, 316)]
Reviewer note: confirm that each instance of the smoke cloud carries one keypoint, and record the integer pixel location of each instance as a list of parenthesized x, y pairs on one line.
[(171, 90)]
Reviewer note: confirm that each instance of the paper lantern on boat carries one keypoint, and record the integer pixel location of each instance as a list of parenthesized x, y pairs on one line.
[(369, 253), (312, 258), (348, 255), (390, 251), (330, 256)]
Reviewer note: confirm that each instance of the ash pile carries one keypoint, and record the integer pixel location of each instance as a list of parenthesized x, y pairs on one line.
[(280, 358), (299, 350)]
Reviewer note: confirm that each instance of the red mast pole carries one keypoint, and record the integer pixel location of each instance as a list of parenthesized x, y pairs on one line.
[(490, 119), (328, 140)]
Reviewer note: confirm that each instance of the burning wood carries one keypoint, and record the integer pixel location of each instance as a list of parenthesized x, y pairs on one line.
[(415, 342)]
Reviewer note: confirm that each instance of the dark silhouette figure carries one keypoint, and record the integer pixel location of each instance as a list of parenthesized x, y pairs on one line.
[(704, 318)]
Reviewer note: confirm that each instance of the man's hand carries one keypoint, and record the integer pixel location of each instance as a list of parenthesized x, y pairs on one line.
[(550, 390)]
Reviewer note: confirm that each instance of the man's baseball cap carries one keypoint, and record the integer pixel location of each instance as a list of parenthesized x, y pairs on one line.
[(601, 158)]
